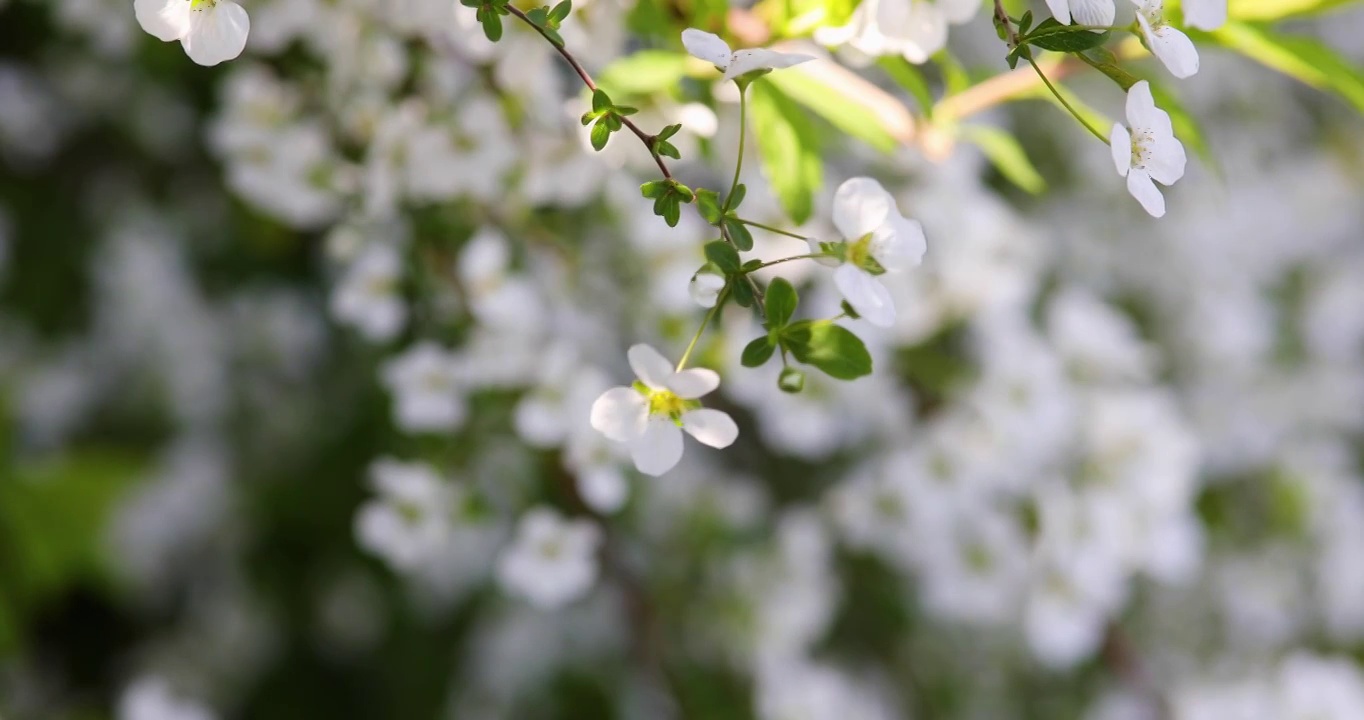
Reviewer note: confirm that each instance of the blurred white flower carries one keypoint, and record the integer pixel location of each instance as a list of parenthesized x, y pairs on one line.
[(369, 295), (1083, 12), (552, 561), (1171, 46), (877, 239), (915, 29), (705, 288), (150, 698), (211, 31), (1205, 14), (651, 416), (712, 49), (410, 519), (1149, 152), (426, 387)]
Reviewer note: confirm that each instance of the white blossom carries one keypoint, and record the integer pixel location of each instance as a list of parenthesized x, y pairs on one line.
[(1083, 12), (651, 416), (877, 239), (410, 520), (369, 297), (1149, 152), (914, 29), (735, 63), (705, 288), (425, 382), (211, 31), (1171, 46), (552, 561), (150, 698)]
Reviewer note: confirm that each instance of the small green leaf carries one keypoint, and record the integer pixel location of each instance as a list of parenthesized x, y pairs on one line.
[(560, 11), (654, 188), (668, 132), (781, 302), (742, 292), (666, 149), (539, 16), (683, 192), (849, 311), (757, 352), (1052, 35), (723, 255), (791, 380), (554, 37), (1025, 22), (612, 121), (740, 191), (708, 203), (1100, 61), (601, 102), (829, 347), (738, 232), (624, 110), (601, 132), (672, 209), (644, 73), (908, 77), (1007, 155), (492, 23)]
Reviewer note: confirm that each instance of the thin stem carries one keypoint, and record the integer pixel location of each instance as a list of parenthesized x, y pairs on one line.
[(1066, 105), (719, 303), (644, 137), (771, 229), (743, 133), (808, 256)]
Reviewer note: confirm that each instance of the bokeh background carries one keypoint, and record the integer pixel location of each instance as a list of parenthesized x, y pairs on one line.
[(296, 354)]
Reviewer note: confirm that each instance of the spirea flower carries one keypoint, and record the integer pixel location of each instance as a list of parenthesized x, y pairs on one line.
[(426, 387), (211, 31), (1171, 46), (368, 296), (877, 239), (651, 416), (552, 561), (914, 29), (409, 521), (734, 63), (1149, 151), (1083, 12)]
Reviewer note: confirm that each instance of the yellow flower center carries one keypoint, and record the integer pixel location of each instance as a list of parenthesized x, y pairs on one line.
[(858, 251), (666, 403), (201, 4), (1141, 148)]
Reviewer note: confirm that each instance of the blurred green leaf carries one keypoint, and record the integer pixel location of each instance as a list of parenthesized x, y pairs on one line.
[(851, 117), (644, 73), (1007, 155), (1303, 58), (908, 77), (1252, 10), (789, 146)]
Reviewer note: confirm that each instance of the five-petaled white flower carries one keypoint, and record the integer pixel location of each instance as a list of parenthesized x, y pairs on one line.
[(553, 560), (211, 31), (369, 295), (877, 238), (1083, 12), (1149, 151), (651, 416), (733, 63), (1171, 46)]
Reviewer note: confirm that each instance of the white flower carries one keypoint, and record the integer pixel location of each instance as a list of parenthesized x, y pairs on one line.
[(705, 288), (425, 384), (368, 295), (1205, 14), (552, 561), (1171, 46), (713, 50), (1083, 12), (410, 520), (647, 417), (211, 31), (1149, 151), (151, 698), (877, 239), (913, 28)]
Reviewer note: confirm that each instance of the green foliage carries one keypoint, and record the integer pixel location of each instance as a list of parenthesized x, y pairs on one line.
[(758, 352), (660, 145), (1266, 10), (644, 73), (781, 302), (829, 347), (1052, 35), (1103, 60), (668, 196), (605, 118), (850, 117), (1007, 155), (489, 15), (907, 76), (708, 204), (791, 380), (789, 145), (548, 20), (1302, 58), (723, 256), (738, 233)]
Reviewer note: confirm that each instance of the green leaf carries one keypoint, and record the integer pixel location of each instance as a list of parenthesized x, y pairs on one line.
[(708, 204), (737, 199), (1265, 10), (791, 380), (1007, 155), (1052, 35), (539, 16), (781, 302), (560, 11), (1102, 62), (738, 233), (672, 209), (654, 188), (601, 132), (1025, 22), (829, 347), (954, 75), (601, 102), (757, 352), (682, 191), (666, 149), (723, 255), (908, 77), (553, 36), (1303, 58), (742, 292), (668, 131), (645, 73), (841, 111), (492, 23), (789, 147)]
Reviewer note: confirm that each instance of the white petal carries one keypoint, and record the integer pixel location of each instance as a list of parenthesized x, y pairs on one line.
[(620, 414), (650, 366), (1120, 141), (705, 289), (861, 206), (711, 427), (1093, 12), (165, 19), (707, 46), (868, 297), (603, 489), (1205, 14), (1142, 113), (658, 449), (899, 244), (1172, 47), (746, 61), (1060, 9), (1145, 191), (216, 33), (693, 383), (1167, 160), (925, 33)]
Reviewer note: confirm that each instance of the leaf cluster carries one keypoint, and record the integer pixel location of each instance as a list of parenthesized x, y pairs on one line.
[(830, 347), (668, 196), (605, 118)]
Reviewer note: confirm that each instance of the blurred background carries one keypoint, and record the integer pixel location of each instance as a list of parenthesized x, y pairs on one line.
[(296, 354)]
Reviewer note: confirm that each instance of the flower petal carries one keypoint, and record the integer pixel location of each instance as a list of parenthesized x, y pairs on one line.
[(1175, 50), (1060, 9), (650, 366), (711, 427), (708, 47), (603, 489), (1205, 14), (1141, 186), (1120, 142), (746, 61), (693, 383), (925, 32), (1093, 12), (866, 295), (861, 206), (620, 414), (165, 19), (217, 33), (658, 449), (1166, 160), (705, 289), (899, 244)]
